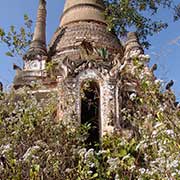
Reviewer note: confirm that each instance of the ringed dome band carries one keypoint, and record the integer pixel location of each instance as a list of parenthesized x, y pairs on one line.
[(82, 10)]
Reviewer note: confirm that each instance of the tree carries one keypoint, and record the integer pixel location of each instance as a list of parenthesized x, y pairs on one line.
[(137, 15), (17, 41)]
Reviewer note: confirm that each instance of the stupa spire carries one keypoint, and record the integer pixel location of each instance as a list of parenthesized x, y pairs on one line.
[(38, 44), (83, 10), (132, 45)]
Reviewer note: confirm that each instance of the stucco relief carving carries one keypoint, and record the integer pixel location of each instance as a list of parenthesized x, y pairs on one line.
[(107, 75), (70, 68), (108, 69), (65, 67)]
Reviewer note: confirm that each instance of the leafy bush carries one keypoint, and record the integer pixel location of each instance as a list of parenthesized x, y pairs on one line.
[(34, 145)]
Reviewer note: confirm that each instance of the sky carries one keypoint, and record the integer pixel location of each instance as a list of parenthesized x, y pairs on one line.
[(164, 50)]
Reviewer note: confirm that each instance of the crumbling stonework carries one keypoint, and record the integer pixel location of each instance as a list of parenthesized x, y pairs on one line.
[(69, 92), (67, 40), (82, 50)]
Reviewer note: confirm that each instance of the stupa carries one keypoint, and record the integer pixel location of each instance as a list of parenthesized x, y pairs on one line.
[(82, 64)]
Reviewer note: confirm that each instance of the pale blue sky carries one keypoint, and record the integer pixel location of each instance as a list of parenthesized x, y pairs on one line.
[(164, 50)]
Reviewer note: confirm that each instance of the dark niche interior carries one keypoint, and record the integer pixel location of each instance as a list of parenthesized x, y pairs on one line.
[(90, 111)]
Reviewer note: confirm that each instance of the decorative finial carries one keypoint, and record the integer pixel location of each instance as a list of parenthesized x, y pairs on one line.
[(38, 44)]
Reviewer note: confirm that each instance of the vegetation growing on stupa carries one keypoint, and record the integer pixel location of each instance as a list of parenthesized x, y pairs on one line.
[(33, 145)]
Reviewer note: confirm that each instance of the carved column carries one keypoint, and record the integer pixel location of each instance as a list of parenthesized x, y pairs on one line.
[(108, 106)]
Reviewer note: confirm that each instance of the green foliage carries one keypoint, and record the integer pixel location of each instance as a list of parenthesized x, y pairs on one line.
[(34, 145), (148, 145), (125, 15), (103, 53), (17, 41)]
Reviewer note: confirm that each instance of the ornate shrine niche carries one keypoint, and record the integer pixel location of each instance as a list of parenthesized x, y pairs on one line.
[(90, 110)]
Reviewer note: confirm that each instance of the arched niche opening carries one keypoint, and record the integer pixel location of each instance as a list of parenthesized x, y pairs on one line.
[(90, 111)]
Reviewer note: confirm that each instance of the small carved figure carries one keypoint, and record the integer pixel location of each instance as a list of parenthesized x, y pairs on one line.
[(154, 68), (65, 67), (87, 47), (16, 67), (1, 86), (169, 85)]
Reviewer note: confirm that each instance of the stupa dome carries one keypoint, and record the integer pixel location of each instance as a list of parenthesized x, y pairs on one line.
[(83, 20)]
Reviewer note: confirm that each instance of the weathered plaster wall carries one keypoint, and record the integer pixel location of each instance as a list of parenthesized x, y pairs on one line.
[(70, 98)]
